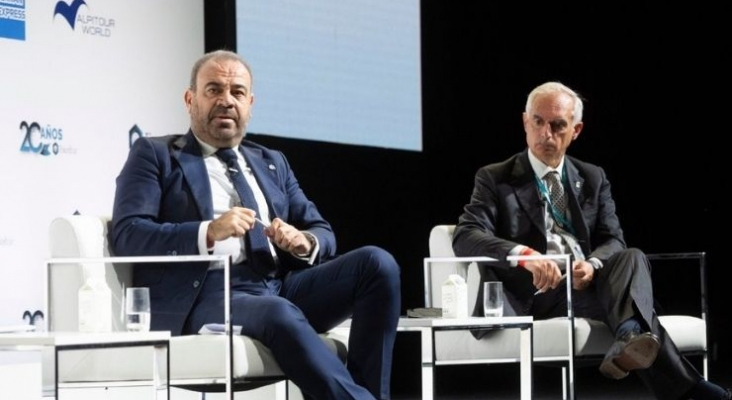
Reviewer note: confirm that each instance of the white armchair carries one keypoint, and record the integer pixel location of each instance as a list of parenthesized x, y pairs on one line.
[(197, 362), (551, 337)]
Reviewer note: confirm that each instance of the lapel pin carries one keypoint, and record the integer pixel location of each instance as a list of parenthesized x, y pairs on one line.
[(271, 167)]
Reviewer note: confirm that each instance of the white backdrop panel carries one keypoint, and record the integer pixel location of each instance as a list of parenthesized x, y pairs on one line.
[(79, 91)]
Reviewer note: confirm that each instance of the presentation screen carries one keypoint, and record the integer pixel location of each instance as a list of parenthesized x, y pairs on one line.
[(336, 71)]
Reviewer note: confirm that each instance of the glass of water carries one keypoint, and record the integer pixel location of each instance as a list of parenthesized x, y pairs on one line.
[(493, 299), (137, 309)]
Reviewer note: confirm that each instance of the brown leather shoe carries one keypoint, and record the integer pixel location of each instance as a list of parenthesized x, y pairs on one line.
[(632, 351)]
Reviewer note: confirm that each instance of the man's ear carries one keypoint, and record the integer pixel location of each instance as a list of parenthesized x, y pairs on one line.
[(577, 130), (188, 98)]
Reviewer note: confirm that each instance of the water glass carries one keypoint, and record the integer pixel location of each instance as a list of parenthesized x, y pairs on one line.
[(137, 309), (493, 299)]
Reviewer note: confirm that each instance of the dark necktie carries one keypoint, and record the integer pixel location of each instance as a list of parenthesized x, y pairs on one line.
[(259, 255), (556, 192)]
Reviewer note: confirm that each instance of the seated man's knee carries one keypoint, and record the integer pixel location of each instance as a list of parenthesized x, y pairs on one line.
[(628, 254), (382, 261), (634, 252), (632, 258)]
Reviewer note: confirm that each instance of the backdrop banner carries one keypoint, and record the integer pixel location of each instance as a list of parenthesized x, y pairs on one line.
[(80, 81)]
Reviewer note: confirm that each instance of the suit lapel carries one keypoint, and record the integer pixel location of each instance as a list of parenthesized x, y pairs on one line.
[(188, 153), (527, 192), (576, 198), (265, 172)]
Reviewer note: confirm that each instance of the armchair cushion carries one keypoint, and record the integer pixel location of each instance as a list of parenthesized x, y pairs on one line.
[(195, 358), (591, 338)]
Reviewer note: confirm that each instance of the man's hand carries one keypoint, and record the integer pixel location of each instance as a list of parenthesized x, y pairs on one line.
[(546, 273), (233, 223), (288, 238), (582, 275)]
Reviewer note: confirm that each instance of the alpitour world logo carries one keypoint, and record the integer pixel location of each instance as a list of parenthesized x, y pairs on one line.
[(68, 11), (80, 21)]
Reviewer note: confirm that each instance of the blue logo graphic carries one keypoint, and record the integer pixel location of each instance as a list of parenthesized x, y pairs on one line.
[(12, 19), (135, 133), (95, 25), (40, 140), (68, 11), (34, 318)]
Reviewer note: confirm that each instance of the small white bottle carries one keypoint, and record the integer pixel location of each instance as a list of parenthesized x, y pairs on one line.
[(455, 297), (95, 301)]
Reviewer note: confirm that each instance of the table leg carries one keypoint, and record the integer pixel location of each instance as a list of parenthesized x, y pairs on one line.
[(428, 360), (161, 380), (527, 359)]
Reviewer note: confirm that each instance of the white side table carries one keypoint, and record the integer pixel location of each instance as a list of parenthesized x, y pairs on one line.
[(428, 326), (67, 341)]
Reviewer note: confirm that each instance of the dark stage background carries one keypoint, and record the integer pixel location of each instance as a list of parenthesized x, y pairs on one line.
[(654, 119)]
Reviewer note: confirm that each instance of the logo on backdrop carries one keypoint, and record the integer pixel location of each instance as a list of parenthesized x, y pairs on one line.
[(43, 140), (68, 11), (87, 24), (34, 318), (12, 19), (136, 133)]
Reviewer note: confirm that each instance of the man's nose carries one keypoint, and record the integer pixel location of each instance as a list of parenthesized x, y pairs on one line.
[(225, 100), (546, 131)]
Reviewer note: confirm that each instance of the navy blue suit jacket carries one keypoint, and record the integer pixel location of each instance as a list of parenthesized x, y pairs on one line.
[(163, 193)]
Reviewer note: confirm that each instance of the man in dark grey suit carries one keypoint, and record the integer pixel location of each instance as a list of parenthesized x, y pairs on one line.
[(211, 191), (541, 201)]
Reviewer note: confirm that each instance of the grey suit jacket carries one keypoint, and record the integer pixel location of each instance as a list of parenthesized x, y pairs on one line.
[(506, 210)]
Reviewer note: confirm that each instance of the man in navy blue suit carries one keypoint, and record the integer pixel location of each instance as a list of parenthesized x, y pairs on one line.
[(175, 196)]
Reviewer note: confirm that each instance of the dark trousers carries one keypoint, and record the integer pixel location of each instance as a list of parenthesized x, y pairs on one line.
[(287, 314), (620, 290)]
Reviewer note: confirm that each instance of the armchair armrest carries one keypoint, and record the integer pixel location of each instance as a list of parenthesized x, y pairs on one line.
[(62, 272)]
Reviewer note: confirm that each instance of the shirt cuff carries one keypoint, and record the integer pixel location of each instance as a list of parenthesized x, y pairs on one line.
[(596, 263), (203, 248), (517, 251), (314, 248)]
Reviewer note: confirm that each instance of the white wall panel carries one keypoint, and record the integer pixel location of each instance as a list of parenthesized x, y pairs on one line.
[(82, 89)]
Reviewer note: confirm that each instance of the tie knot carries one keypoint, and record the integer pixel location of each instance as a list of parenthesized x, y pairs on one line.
[(552, 178), (227, 155)]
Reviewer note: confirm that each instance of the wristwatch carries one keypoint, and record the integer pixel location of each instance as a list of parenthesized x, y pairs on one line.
[(313, 242)]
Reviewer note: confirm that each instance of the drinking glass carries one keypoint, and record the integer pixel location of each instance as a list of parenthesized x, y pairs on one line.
[(137, 309), (493, 299)]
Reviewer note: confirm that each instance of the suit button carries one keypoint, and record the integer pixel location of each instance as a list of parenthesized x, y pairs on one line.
[(196, 284)]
